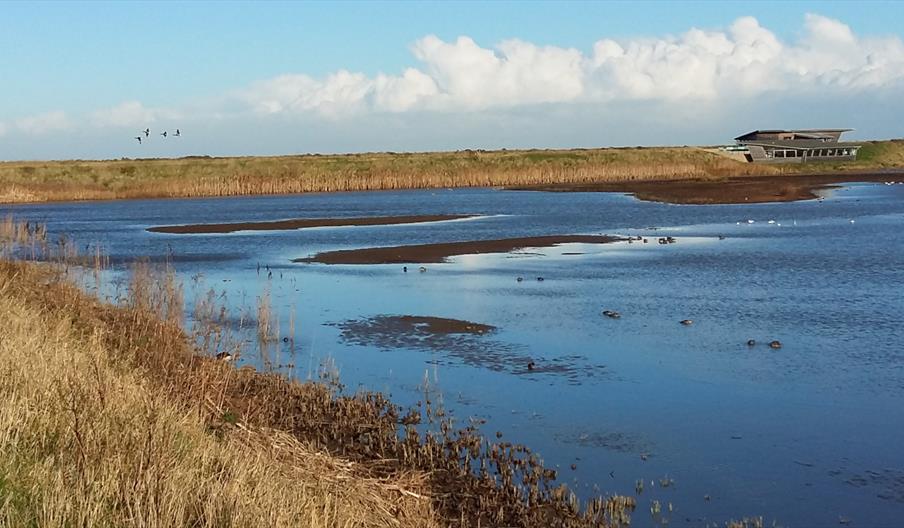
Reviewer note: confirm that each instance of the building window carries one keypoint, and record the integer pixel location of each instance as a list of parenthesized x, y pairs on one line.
[(779, 153)]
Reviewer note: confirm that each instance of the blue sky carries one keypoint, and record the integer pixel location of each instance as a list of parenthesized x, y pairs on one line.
[(220, 69)]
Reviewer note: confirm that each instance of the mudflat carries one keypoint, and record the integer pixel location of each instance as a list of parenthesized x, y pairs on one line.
[(436, 253), (415, 324), (301, 223), (747, 189)]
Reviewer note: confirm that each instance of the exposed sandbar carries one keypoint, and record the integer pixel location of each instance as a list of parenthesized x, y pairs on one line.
[(436, 253), (455, 340), (747, 189), (423, 325), (301, 223)]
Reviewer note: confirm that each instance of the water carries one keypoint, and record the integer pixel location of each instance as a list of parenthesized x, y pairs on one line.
[(807, 435)]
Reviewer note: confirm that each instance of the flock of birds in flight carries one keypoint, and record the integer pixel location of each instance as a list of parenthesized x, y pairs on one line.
[(147, 134)]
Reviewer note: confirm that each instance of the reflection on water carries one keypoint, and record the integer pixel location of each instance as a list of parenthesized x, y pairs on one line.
[(807, 434), (461, 342)]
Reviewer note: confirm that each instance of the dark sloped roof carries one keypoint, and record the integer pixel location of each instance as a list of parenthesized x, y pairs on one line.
[(810, 132)]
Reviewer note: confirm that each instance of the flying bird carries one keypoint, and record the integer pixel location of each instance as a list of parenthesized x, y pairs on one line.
[(139, 139), (163, 133), (177, 134), (147, 132)]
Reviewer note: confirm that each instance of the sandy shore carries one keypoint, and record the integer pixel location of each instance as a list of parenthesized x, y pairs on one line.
[(435, 253), (301, 223), (748, 189)]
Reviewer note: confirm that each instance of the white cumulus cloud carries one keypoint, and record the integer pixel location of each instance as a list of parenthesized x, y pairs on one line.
[(130, 114), (47, 122), (515, 73), (745, 59)]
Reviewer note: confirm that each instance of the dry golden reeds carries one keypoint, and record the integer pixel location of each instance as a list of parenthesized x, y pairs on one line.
[(196, 177), (86, 440), (131, 384), (205, 176)]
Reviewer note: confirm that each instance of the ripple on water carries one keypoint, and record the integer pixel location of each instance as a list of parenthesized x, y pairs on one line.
[(611, 440), (462, 341), (887, 483)]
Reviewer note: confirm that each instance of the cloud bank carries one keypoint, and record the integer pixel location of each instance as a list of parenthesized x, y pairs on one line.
[(701, 86), (131, 114), (746, 60), (54, 121)]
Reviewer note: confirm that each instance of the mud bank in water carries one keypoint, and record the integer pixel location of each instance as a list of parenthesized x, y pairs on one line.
[(300, 223), (748, 189), (437, 253), (460, 341)]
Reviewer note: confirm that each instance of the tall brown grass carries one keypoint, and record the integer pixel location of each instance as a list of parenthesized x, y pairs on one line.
[(128, 422), (88, 440), (195, 177), (205, 176)]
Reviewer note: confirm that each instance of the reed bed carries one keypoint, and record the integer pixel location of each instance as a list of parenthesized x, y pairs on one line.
[(113, 415), (206, 176), (196, 177), (86, 439)]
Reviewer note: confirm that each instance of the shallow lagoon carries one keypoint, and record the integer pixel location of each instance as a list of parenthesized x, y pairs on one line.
[(807, 435)]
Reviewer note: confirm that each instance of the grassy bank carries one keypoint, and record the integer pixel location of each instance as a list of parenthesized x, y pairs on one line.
[(112, 416), (88, 438), (202, 176)]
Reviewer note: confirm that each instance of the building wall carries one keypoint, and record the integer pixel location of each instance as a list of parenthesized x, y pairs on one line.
[(760, 154)]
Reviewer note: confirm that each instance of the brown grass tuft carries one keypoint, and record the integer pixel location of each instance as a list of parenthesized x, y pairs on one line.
[(134, 425), (88, 439)]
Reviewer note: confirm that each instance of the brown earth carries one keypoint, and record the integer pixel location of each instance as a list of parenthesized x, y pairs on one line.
[(436, 253), (435, 325), (300, 223), (747, 189), (454, 341)]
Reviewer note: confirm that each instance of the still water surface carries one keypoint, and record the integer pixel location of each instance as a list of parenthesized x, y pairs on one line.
[(809, 435)]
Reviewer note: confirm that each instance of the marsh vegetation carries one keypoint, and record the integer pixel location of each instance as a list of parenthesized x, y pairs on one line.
[(114, 415), (37, 181)]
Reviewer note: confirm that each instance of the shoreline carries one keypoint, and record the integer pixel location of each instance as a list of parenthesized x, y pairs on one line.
[(303, 223), (440, 252), (407, 474), (667, 190), (200, 177), (735, 190)]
